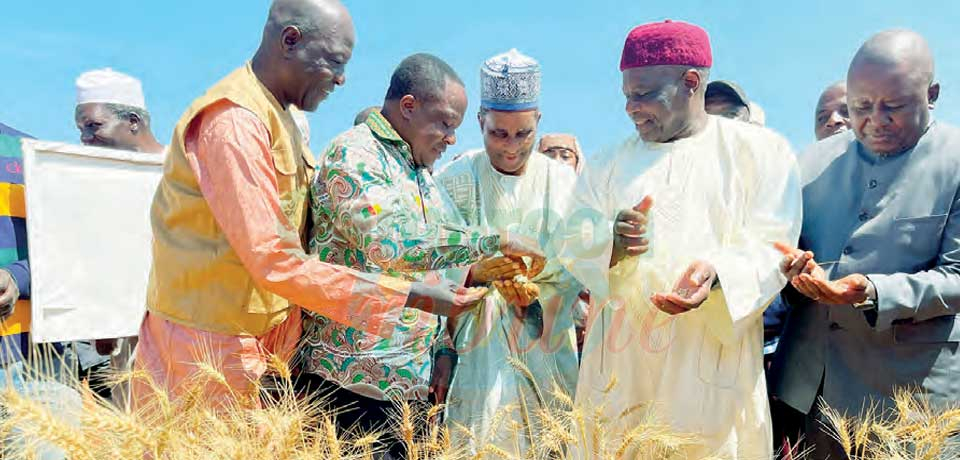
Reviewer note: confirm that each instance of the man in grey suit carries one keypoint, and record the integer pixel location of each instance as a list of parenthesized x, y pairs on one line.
[(882, 218)]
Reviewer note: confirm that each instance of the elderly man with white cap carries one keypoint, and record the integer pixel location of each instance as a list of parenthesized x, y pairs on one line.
[(111, 112), (507, 187)]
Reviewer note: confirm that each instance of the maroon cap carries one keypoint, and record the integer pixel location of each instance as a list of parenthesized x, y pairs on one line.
[(666, 43)]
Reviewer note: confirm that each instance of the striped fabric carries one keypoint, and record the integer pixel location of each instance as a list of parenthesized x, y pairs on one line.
[(13, 247)]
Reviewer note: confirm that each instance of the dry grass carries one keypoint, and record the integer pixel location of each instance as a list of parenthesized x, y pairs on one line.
[(283, 426), (280, 425), (911, 430)]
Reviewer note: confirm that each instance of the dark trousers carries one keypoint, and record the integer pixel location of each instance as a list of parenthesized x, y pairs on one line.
[(797, 435), (807, 434), (359, 415)]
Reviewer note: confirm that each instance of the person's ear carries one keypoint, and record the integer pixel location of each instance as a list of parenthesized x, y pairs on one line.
[(692, 80), (289, 39), (933, 93), (135, 122), (408, 106)]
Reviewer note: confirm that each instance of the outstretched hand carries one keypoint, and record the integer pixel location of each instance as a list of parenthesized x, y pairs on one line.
[(444, 298), (794, 260), (810, 279), (690, 291)]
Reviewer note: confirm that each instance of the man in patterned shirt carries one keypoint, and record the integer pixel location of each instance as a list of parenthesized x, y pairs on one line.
[(377, 209)]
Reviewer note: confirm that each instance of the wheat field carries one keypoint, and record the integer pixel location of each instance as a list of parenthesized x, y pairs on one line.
[(280, 425)]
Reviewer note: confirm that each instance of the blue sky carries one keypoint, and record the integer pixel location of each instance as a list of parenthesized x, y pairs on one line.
[(782, 53)]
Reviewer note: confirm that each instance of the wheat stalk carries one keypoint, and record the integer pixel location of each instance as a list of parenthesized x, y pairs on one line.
[(407, 430), (37, 423), (611, 384), (366, 443), (191, 426), (561, 396), (332, 441), (522, 368), (839, 427)]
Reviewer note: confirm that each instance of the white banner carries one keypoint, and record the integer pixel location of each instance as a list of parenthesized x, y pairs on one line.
[(88, 230)]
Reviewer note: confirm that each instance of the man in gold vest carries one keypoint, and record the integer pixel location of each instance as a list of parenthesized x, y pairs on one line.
[(229, 221)]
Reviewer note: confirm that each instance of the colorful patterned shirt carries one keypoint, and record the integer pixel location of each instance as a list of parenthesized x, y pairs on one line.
[(14, 336), (376, 211)]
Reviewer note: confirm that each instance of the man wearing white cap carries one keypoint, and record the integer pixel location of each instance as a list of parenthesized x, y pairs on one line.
[(111, 112), (508, 188)]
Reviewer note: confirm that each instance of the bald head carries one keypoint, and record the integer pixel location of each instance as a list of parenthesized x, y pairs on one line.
[(305, 48), (901, 49), (319, 17), (838, 88), (832, 115), (890, 90)]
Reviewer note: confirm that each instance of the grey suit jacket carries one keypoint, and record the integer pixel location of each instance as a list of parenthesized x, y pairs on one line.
[(897, 220)]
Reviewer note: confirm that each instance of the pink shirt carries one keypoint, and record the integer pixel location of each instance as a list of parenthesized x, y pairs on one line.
[(231, 157)]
